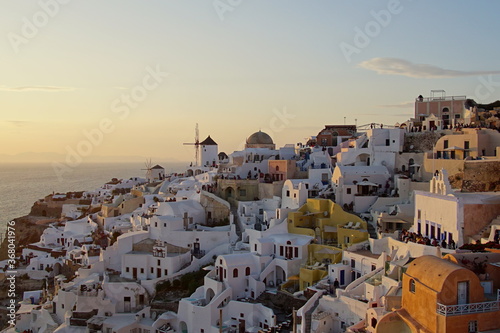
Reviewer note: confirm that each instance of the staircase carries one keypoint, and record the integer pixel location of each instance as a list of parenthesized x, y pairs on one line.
[(486, 231), (308, 317), (372, 231)]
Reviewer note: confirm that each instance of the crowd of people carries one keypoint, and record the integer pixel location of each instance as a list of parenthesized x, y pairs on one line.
[(408, 236)]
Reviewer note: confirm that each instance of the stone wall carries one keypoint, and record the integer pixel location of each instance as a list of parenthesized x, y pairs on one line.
[(481, 176)]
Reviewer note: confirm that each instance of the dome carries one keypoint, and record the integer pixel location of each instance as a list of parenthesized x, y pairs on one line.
[(260, 138)]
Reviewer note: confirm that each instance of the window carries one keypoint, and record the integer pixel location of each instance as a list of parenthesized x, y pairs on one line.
[(445, 144), (373, 267), (348, 191), (166, 272), (472, 326), (353, 263), (287, 193), (255, 247), (127, 269), (142, 270), (419, 214), (296, 252), (387, 142), (466, 145), (235, 272), (159, 262), (412, 286), (457, 115), (156, 224), (152, 270), (247, 271), (243, 192)]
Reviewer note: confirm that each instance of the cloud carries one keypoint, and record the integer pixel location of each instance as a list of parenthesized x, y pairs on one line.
[(395, 66), (403, 105), (18, 123), (36, 88)]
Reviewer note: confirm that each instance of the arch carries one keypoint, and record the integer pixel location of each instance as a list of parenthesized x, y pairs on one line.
[(277, 168), (280, 275), (44, 212), (235, 272), (411, 161), (229, 192), (198, 172), (183, 327), (445, 109), (412, 285), (189, 172), (363, 158), (373, 322), (209, 295)]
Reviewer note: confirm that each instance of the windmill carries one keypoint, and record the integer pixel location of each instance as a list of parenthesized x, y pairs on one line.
[(149, 173), (196, 145)]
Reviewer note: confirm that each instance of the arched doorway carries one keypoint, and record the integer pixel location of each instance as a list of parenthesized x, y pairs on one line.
[(209, 295), (183, 327), (229, 193)]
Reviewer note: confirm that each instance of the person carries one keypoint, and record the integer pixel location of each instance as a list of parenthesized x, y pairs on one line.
[(336, 283), (443, 244)]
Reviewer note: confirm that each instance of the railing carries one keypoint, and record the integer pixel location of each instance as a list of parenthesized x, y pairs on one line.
[(455, 310), (437, 98)]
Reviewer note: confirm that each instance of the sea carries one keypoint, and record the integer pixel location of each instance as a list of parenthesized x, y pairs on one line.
[(23, 184)]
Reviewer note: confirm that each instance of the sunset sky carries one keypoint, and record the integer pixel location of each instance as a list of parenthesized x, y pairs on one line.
[(145, 72)]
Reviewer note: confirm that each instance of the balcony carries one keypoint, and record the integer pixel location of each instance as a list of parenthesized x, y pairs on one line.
[(464, 309)]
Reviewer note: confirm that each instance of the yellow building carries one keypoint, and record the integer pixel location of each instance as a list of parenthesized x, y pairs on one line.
[(441, 296), (333, 229)]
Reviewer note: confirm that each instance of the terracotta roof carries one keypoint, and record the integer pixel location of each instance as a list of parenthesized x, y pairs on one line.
[(432, 271)]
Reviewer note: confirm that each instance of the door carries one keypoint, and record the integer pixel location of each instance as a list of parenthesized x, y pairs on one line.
[(126, 304), (158, 272), (342, 277), (134, 273), (463, 292), (242, 326)]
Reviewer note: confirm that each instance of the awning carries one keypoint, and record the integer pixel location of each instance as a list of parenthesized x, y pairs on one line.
[(454, 148), (393, 220)]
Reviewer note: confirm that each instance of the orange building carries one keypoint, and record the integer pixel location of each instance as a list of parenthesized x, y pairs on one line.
[(441, 296)]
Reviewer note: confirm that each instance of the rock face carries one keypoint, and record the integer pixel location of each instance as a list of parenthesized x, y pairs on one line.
[(27, 231), (481, 176)]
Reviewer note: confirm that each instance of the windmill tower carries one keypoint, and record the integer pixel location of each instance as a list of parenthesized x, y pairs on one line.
[(196, 145), (149, 173)]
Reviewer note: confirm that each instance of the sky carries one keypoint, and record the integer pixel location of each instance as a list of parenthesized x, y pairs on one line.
[(95, 80)]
